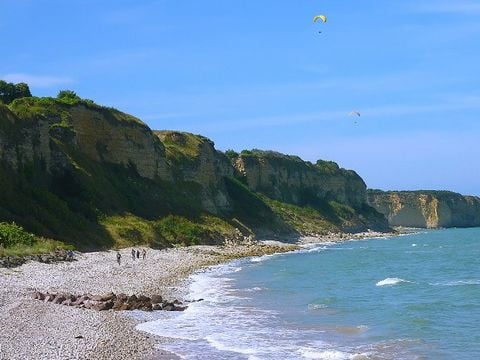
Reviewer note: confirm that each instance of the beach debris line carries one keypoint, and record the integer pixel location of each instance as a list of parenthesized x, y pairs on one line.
[(111, 301)]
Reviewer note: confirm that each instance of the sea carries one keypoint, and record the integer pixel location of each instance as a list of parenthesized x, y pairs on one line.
[(415, 296)]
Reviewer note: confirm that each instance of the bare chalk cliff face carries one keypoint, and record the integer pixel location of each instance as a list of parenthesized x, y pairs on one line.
[(292, 180), (47, 131), (426, 209), (193, 158)]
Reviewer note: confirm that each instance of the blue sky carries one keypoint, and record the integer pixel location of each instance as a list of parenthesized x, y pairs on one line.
[(257, 74)]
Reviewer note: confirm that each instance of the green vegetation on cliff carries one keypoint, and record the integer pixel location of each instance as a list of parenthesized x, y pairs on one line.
[(14, 240), (94, 177)]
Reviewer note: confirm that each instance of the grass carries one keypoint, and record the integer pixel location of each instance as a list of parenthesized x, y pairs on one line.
[(15, 241), (168, 231), (41, 246), (305, 220)]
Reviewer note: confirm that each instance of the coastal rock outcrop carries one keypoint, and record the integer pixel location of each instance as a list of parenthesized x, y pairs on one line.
[(193, 158), (292, 180), (110, 301), (426, 209), (92, 176)]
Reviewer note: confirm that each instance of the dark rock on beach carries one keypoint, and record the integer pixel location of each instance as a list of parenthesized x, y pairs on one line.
[(110, 301)]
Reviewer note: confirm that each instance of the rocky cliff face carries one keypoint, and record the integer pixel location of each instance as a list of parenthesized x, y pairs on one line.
[(80, 172), (193, 158), (427, 209), (290, 179), (36, 126), (338, 193)]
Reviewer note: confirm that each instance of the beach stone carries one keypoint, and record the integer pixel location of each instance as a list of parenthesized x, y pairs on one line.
[(143, 298), (102, 306), (49, 297), (176, 302), (122, 307), (108, 297), (157, 307), (67, 302), (169, 307), (156, 299), (37, 295), (122, 297), (88, 304), (59, 299), (97, 298), (132, 299), (180, 308), (80, 300)]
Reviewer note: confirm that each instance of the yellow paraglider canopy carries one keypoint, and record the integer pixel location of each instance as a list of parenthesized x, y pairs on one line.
[(320, 17)]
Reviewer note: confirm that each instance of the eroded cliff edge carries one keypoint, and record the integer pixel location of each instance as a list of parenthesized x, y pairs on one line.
[(426, 209), (96, 177)]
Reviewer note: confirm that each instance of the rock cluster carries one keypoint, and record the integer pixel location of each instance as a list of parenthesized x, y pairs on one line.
[(110, 301), (14, 261)]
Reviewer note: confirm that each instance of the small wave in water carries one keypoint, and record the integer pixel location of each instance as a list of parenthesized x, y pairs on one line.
[(457, 283), (391, 282)]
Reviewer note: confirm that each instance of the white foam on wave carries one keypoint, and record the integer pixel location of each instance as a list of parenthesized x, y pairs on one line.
[(391, 282), (218, 344), (311, 353), (317, 306), (414, 245), (261, 258), (256, 288), (457, 283)]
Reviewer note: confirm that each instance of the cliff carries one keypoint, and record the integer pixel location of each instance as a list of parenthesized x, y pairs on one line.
[(96, 177), (427, 209), (338, 195)]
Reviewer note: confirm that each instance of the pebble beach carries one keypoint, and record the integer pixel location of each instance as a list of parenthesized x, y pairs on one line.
[(32, 329)]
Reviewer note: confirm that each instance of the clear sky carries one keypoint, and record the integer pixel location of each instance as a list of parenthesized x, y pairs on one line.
[(258, 74)]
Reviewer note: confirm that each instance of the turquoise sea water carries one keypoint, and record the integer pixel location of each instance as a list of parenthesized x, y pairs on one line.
[(407, 297)]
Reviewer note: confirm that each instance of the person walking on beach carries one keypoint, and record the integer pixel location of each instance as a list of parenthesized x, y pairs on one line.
[(133, 254), (138, 254), (144, 254), (118, 257)]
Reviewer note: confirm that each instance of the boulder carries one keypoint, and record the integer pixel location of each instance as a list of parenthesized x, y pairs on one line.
[(121, 306), (67, 302), (143, 298), (49, 297), (97, 298), (108, 297), (122, 297), (132, 299), (156, 299), (60, 298), (180, 308), (157, 306), (169, 307), (37, 295), (102, 306)]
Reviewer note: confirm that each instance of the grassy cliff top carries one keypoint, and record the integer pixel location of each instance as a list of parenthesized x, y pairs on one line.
[(182, 146), (59, 110)]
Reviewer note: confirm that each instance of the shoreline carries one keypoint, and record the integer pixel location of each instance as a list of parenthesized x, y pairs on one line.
[(33, 329)]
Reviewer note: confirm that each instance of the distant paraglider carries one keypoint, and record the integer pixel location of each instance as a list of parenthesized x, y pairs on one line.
[(356, 114), (320, 17)]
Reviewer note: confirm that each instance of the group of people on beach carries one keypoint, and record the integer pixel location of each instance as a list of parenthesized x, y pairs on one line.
[(135, 255)]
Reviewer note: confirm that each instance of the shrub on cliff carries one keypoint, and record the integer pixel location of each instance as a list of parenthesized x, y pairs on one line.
[(11, 91), (69, 97), (11, 234), (231, 154)]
